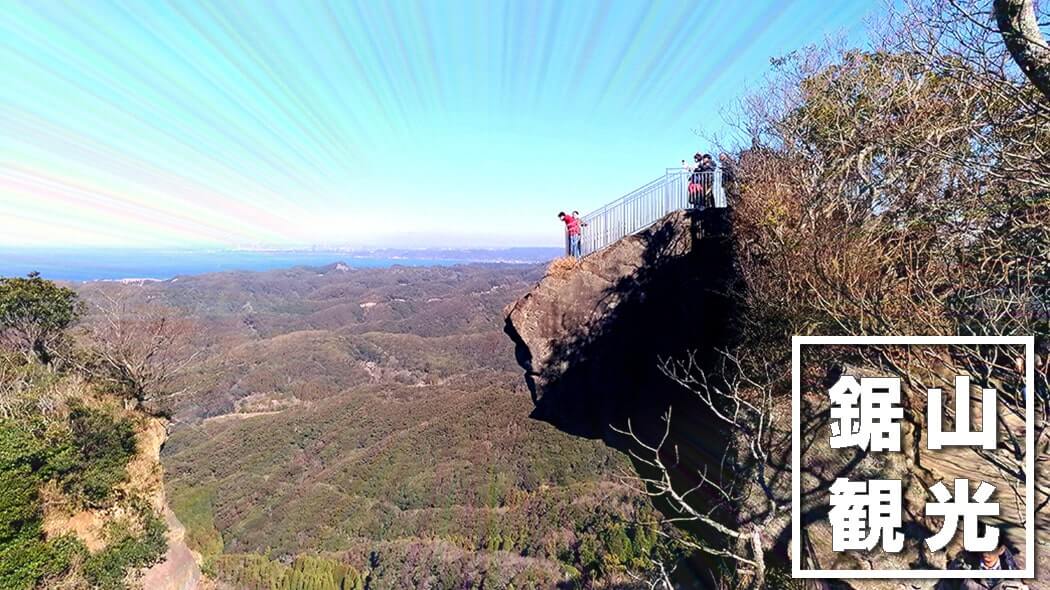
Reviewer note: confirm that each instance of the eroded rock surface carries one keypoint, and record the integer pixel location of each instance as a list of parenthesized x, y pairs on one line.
[(591, 338), (179, 568)]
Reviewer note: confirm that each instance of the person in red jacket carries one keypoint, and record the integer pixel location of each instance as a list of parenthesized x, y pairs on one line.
[(572, 227)]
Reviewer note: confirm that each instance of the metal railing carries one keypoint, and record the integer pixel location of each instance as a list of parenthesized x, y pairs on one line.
[(677, 189)]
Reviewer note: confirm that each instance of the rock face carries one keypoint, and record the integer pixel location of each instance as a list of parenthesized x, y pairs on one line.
[(591, 337), (178, 569)]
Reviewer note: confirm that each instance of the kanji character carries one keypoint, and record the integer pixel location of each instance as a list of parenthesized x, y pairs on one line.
[(863, 413), (863, 512), (963, 436), (960, 506)]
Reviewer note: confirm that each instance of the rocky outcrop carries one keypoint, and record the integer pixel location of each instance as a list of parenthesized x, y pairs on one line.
[(179, 568), (591, 337)]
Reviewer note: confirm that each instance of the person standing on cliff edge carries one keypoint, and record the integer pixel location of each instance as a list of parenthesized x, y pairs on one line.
[(572, 227)]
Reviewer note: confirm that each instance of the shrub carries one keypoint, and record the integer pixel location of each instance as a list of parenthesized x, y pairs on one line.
[(34, 312), (27, 458), (105, 445), (28, 559), (127, 550)]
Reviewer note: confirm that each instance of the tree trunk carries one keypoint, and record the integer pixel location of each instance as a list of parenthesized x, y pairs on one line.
[(749, 544), (42, 353), (758, 580), (1024, 40)]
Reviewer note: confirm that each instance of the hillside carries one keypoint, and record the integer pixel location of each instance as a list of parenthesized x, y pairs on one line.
[(82, 499), (373, 419)]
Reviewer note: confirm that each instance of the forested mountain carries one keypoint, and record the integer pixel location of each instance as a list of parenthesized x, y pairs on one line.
[(352, 427)]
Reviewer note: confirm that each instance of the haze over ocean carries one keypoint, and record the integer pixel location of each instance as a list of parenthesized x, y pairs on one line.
[(79, 264)]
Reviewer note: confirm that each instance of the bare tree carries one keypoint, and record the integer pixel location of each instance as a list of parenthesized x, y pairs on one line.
[(138, 347), (745, 482), (901, 189), (659, 578), (1020, 29)]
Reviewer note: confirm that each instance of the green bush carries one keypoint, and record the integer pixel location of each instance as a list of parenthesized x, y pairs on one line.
[(105, 445), (28, 559), (29, 453), (126, 550)]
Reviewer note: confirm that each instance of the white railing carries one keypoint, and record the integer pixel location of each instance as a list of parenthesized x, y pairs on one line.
[(677, 189)]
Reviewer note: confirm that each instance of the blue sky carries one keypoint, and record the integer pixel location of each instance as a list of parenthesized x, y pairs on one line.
[(399, 123)]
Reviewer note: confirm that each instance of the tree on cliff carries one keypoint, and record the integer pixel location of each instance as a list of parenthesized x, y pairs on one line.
[(136, 349), (139, 348), (746, 479), (63, 443), (34, 314), (900, 190)]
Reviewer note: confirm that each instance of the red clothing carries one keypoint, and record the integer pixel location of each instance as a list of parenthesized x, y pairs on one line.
[(572, 224)]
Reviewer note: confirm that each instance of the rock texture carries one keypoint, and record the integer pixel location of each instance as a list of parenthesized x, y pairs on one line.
[(179, 569)]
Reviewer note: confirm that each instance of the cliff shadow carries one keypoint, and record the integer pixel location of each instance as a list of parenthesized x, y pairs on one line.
[(606, 372), (679, 300)]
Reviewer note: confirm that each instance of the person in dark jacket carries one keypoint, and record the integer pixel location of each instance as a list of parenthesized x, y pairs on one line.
[(707, 163), (1000, 558), (706, 171)]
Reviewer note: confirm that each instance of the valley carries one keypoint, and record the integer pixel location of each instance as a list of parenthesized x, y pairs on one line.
[(376, 419)]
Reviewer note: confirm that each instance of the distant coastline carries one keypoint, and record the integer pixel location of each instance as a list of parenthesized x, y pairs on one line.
[(107, 264)]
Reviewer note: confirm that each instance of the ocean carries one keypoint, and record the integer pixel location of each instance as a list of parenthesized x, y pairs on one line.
[(112, 264)]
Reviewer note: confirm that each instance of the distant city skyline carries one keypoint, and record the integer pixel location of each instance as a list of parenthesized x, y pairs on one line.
[(408, 124)]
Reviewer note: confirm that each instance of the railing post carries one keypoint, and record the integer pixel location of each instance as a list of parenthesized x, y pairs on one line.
[(718, 195), (667, 190)]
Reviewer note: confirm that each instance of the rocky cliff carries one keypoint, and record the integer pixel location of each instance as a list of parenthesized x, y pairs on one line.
[(591, 337), (178, 569)]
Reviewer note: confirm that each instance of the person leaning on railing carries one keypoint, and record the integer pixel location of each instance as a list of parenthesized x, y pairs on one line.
[(701, 182), (572, 227), (582, 223)]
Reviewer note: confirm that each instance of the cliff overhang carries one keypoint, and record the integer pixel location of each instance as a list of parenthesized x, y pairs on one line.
[(591, 337)]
